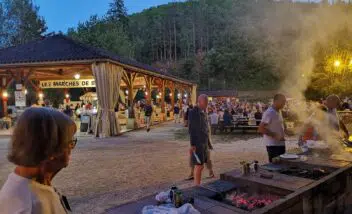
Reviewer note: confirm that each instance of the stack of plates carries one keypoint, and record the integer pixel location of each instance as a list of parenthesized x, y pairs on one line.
[(289, 156), (317, 144)]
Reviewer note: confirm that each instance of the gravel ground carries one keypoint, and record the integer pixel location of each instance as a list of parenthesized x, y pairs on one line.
[(104, 173)]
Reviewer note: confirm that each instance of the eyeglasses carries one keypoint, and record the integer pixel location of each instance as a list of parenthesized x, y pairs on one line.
[(73, 142)]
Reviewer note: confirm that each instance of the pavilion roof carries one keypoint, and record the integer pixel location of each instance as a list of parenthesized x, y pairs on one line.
[(60, 48)]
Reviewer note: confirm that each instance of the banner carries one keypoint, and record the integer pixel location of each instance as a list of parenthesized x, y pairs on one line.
[(82, 83), (20, 99)]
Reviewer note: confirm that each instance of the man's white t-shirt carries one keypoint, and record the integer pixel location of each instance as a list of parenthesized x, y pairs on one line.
[(275, 124), (185, 108), (214, 118), (20, 195)]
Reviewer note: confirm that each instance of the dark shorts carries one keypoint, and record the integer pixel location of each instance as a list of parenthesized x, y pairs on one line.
[(202, 153), (275, 151)]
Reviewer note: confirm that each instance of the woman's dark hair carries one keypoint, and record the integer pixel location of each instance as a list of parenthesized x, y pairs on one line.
[(38, 135)]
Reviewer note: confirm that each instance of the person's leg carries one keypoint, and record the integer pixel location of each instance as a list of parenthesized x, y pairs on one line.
[(148, 122), (191, 166), (209, 165), (281, 150), (270, 151), (198, 174)]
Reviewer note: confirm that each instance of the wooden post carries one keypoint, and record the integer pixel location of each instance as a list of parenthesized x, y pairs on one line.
[(162, 97), (172, 91), (148, 87)]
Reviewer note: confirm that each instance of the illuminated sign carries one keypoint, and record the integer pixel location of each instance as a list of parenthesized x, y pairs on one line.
[(81, 83)]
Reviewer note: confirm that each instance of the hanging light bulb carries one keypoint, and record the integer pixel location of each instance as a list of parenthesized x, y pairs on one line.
[(67, 96), (5, 94), (170, 94), (25, 91), (146, 93), (77, 76), (126, 91), (41, 95)]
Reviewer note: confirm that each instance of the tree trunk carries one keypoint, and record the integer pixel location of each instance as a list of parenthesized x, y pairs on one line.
[(175, 40), (164, 46), (170, 46), (194, 37)]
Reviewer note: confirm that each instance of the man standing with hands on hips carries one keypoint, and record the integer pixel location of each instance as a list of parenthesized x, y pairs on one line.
[(272, 128), (199, 134)]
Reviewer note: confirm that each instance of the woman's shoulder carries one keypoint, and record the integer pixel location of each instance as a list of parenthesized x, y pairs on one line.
[(15, 195)]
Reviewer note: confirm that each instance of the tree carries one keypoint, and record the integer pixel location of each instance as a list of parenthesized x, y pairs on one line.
[(21, 22), (118, 12), (104, 34)]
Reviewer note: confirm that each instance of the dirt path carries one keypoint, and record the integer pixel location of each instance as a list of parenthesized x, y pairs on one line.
[(107, 172)]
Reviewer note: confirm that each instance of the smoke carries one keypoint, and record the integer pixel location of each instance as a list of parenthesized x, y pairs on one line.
[(290, 33)]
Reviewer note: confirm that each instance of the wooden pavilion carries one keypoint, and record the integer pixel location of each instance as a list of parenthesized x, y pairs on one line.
[(58, 57)]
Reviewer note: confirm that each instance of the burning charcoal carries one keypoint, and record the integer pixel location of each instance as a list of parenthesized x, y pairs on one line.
[(249, 203)]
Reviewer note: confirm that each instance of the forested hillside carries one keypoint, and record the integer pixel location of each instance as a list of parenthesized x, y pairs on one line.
[(208, 41), (220, 44)]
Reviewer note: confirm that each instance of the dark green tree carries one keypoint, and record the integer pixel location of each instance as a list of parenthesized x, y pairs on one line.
[(21, 22), (118, 13)]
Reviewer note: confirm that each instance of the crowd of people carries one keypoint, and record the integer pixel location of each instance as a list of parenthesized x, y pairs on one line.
[(43, 139), (271, 125)]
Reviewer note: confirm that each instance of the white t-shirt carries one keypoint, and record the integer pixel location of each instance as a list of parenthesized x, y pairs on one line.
[(214, 118), (185, 108), (20, 195), (275, 124)]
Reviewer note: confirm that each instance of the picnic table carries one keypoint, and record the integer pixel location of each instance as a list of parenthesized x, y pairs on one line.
[(239, 123)]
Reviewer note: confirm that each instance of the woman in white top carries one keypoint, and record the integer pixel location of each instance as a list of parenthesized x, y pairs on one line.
[(41, 145)]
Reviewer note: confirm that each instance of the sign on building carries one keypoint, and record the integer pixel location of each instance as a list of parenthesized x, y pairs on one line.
[(20, 99), (82, 83)]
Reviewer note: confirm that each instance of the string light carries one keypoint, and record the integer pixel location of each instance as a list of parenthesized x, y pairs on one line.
[(77, 76), (5, 94)]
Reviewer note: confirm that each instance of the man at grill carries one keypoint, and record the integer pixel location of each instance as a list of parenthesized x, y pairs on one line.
[(199, 132), (272, 128), (335, 123)]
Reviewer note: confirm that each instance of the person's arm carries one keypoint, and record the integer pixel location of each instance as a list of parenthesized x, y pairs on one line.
[(193, 126), (263, 127)]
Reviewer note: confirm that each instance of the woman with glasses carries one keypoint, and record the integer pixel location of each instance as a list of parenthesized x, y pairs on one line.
[(40, 147)]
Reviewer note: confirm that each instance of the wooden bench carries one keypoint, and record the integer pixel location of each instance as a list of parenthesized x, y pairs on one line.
[(244, 128)]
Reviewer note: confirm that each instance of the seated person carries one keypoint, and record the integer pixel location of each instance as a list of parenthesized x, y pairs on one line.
[(258, 115), (214, 121), (227, 118)]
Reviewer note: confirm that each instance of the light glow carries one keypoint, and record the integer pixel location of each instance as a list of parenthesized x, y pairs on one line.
[(77, 76), (41, 95), (337, 63), (5, 94), (67, 96)]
